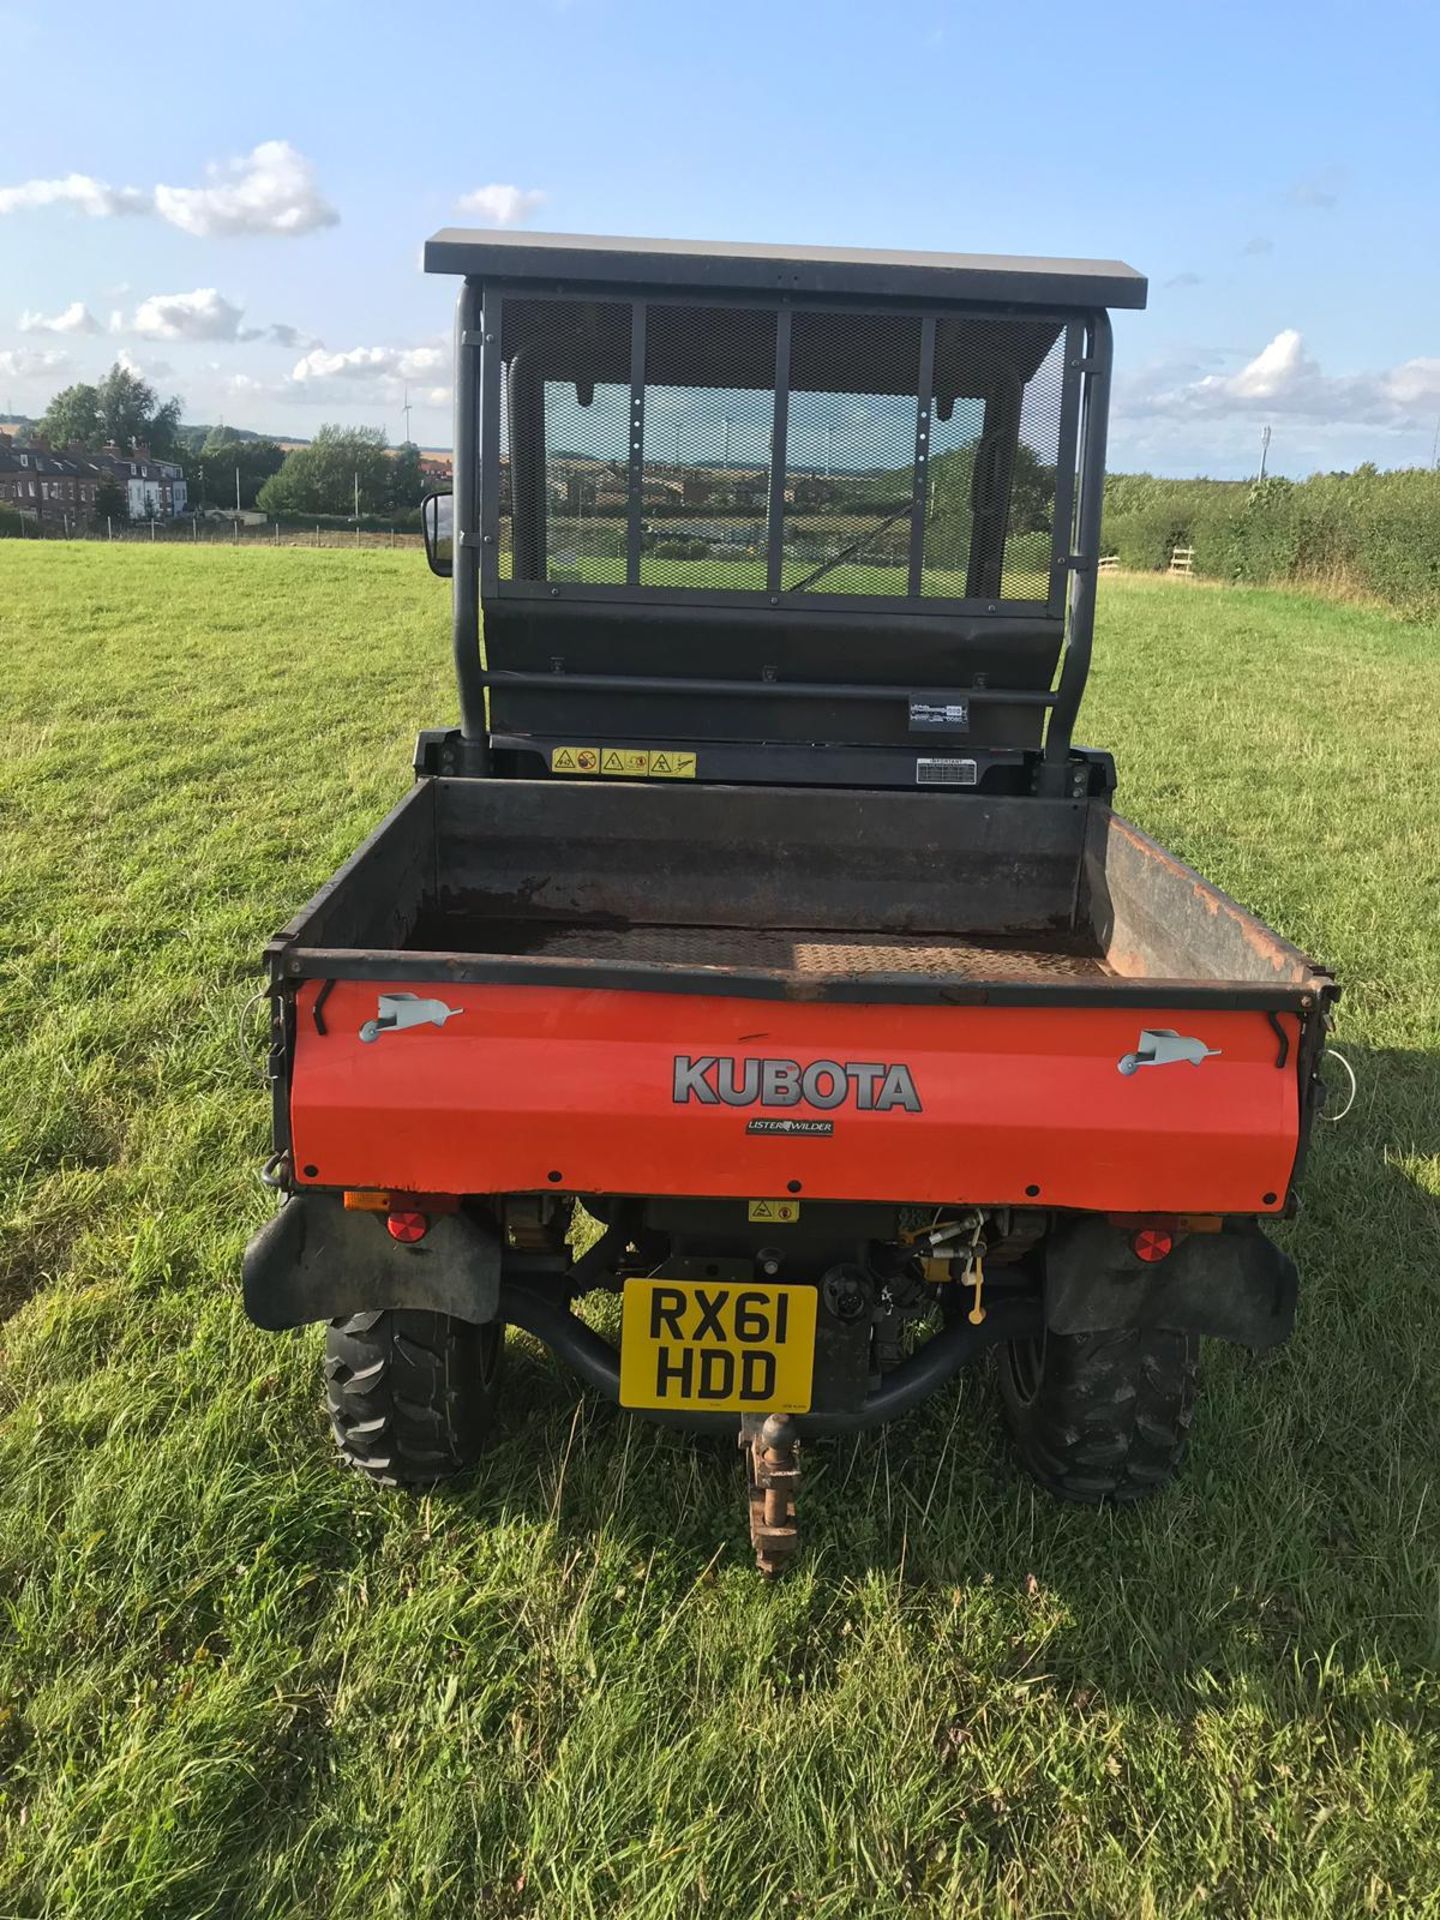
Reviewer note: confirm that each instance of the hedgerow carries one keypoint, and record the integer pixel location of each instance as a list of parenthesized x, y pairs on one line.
[(1375, 533)]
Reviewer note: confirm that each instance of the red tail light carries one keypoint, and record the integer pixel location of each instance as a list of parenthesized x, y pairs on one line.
[(407, 1226)]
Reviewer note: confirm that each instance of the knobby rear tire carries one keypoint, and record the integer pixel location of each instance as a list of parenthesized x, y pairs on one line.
[(1101, 1417), (411, 1394)]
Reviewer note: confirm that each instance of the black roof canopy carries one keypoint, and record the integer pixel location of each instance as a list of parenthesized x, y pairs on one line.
[(551, 259)]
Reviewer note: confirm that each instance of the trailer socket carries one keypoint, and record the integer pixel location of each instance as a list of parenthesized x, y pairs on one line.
[(407, 1226), (847, 1292)]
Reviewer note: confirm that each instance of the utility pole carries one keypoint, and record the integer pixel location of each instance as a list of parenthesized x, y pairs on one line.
[(1435, 448), (727, 443), (237, 493), (406, 411), (357, 497), (1264, 449)]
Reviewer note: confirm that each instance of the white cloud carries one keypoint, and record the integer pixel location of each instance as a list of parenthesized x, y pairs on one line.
[(245, 386), (369, 364), (271, 190), (27, 363), (204, 314), (147, 369), (94, 197), (1284, 380), (76, 318), (502, 206), (281, 335), (1260, 244)]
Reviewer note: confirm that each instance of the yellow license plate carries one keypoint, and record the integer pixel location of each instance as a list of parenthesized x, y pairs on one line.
[(717, 1346)]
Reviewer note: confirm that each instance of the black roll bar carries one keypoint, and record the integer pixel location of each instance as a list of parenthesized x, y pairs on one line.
[(465, 563), (1085, 558)]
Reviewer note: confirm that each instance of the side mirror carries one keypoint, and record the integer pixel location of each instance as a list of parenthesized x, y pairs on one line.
[(437, 518)]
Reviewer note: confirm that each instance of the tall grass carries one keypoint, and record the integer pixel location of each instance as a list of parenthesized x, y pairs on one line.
[(234, 1682)]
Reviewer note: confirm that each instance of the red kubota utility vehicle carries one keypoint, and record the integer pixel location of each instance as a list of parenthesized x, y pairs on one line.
[(762, 906)]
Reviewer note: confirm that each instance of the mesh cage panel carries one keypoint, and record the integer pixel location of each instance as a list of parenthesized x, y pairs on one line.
[(850, 453), (505, 507), (1030, 533), (566, 438), (990, 485), (709, 429), (684, 505)]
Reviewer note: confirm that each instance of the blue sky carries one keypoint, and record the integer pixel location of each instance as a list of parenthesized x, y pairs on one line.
[(234, 200)]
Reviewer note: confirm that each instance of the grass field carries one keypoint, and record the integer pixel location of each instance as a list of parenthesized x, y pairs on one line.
[(573, 557), (234, 1681)]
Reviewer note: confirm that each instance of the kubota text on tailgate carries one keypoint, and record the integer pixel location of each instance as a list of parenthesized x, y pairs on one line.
[(712, 1080)]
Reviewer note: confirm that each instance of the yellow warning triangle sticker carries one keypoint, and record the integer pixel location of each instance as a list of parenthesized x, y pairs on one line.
[(610, 761), (564, 761), (660, 762)]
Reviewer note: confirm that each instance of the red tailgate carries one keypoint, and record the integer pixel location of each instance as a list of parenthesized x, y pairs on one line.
[(518, 1088)]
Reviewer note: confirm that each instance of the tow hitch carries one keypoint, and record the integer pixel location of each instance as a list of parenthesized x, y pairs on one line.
[(772, 1450)]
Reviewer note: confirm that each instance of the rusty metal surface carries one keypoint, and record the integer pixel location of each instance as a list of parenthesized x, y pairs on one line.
[(822, 953), (1159, 919), (772, 1466)]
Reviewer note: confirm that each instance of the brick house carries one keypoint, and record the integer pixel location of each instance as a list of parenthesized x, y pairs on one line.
[(49, 485), (154, 489)]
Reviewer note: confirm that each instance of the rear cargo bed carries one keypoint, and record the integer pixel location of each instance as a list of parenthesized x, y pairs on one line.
[(738, 992), (801, 950), (782, 891)]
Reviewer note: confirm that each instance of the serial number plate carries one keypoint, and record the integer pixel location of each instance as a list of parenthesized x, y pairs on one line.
[(717, 1347)]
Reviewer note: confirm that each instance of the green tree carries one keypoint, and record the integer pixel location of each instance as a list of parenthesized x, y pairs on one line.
[(950, 517), (122, 410), (73, 416), (111, 500), (407, 483), (326, 476), (131, 412), (218, 457)]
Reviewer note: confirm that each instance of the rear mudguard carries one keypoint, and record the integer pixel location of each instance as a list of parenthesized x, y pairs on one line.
[(316, 1261), (1235, 1285)]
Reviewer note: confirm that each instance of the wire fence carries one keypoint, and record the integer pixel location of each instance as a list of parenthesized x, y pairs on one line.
[(208, 533)]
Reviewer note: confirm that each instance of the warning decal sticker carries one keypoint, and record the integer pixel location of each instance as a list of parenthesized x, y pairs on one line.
[(574, 759), (625, 760), (669, 765), (778, 1213), (655, 763)]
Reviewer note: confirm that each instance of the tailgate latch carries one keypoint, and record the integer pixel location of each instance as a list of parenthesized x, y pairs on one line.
[(400, 1010), (1163, 1047)]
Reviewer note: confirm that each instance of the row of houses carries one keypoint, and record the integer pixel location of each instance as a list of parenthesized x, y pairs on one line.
[(35, 479), (578, 485)]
